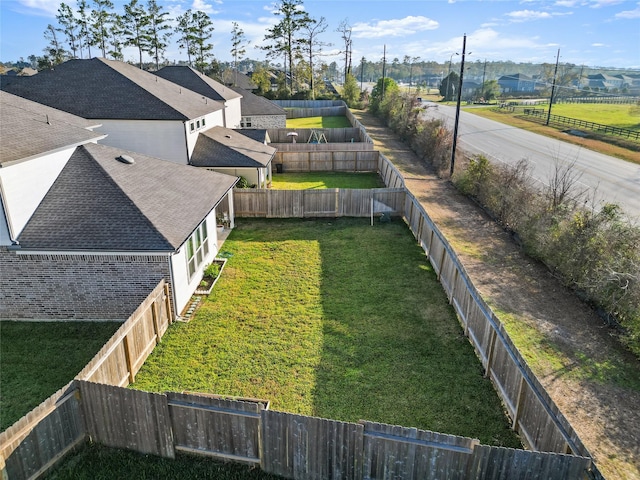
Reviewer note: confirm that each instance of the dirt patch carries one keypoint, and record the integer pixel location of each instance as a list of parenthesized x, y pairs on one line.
[(592, 379)]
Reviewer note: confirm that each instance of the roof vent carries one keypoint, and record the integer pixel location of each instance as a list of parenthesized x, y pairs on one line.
[(228, 136), (126, 159)]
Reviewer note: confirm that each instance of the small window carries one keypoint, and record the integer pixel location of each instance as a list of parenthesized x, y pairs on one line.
[(193, 127), (198, 124), (203, 122)]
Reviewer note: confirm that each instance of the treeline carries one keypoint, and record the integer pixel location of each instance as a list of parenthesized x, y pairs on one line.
[(593, 251)]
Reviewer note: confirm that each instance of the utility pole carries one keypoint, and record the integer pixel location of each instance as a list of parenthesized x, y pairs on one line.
[(455, 125), (553, 88), (484, 71)]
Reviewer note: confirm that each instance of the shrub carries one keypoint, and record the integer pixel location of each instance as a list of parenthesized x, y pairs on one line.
[(212, 270)]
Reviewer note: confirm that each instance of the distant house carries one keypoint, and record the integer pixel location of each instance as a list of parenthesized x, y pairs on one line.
[(195, 81), (88, 230), (516, 82), (602, 81), (259, 112)]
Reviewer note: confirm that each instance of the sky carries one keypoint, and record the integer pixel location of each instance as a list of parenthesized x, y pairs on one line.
[(604, 33)]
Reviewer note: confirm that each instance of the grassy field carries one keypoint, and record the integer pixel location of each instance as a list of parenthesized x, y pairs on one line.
[(95, 462), (321, 180), (627, 151), (318, 122), (39, 358), (613, 115), (337, 319)]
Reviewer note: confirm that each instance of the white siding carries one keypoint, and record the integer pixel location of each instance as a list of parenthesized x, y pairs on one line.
[(232, 113), (215, 119), (183, 288), (156, 138), (253, 175), (25, 184)]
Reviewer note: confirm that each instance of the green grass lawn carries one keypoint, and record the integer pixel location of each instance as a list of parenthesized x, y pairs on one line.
[(319, 122), (95, 462), (39, 358), (321, 180), (613, 115), (337, 319)]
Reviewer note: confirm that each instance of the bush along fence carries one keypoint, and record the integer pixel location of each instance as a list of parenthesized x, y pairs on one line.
[(574, 122), (245, 430)]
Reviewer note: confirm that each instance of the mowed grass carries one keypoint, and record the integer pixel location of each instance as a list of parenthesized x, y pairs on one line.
[(96, 462), (39, 358), (319, 122), (337, 319), (322, 180), (613, 115)]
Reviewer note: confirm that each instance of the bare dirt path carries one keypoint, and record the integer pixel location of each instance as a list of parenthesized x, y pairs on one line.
[(590, 377)]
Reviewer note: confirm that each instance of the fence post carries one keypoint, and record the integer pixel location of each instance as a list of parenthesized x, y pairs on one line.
[(154, 319), (167, 303), (516, 415), (492, 343), (127, 358)]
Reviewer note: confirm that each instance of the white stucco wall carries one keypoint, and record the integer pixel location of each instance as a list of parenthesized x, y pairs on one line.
[(253, 175), (214, 119), (25, 184), (183, 288), (161, 139), (232, 113)]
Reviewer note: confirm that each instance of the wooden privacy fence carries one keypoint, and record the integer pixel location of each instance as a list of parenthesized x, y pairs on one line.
[(116, 363), (332, 135), (330, 202), (338, 111), (294, 446), (327, 161), (533, 413)]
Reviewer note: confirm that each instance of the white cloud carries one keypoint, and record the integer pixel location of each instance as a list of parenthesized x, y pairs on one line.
[(400, 27), (629, 14), (598, 45), (203, 7), (604, 3), (566, 3), (530, 15), (43, 7)]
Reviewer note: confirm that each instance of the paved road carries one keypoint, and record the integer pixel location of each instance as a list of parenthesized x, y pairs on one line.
[(615, 180)]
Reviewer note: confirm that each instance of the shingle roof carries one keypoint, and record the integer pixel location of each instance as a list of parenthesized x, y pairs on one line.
[(99, 203), (234, 78), (28, 129), (257, 134), (222, 147), (197, 82), (106, 89), (251, 104)]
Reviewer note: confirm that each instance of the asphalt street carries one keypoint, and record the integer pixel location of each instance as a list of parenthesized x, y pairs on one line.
[(610, 180)]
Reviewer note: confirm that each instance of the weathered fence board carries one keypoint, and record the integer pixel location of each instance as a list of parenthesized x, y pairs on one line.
[(124, 418), (317, 203), (58, 428), (497, 463), (302, 448), (323, 147), (216, 426), (393, 452)]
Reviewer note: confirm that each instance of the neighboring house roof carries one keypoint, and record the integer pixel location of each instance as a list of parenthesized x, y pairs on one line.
[(28, 71), (29, 129), (107, 89), (234, 78), (257, 134), (197, 82), (222, 147), (99, 203), (251, 105), (515, 77)]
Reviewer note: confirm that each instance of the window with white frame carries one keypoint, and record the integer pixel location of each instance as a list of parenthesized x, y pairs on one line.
[(197, 248), (245, 122)]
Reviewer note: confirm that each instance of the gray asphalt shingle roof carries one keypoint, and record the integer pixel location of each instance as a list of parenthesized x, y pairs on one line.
[(28, 129), (251, 104), (197, 82), (107, 89), (100, 203), (222, 147)]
